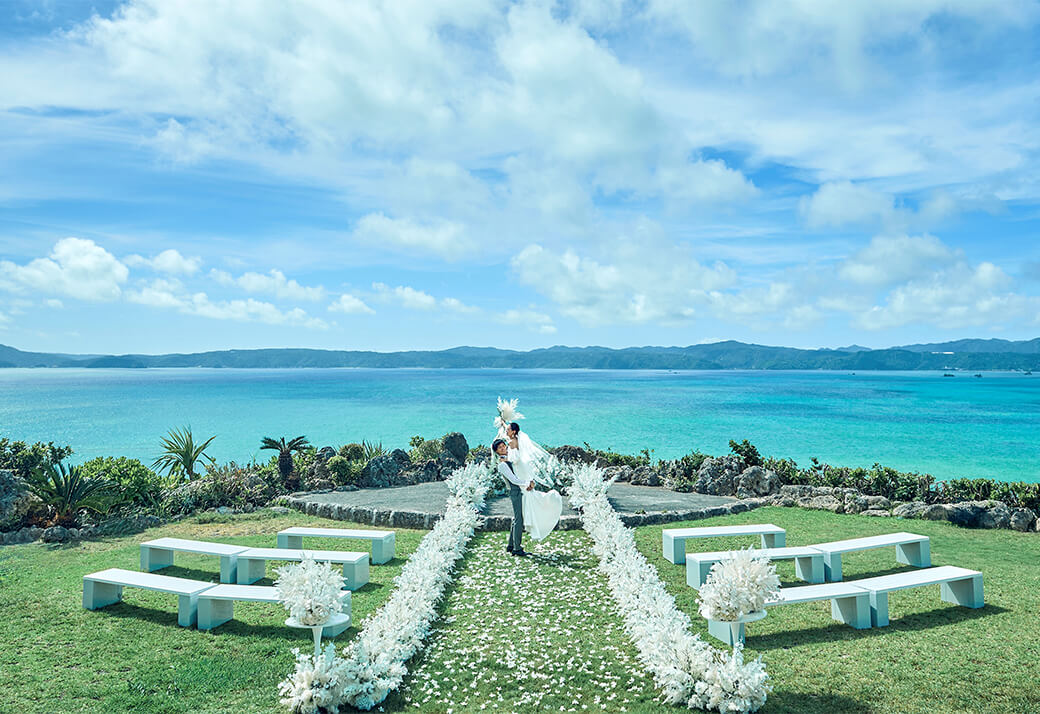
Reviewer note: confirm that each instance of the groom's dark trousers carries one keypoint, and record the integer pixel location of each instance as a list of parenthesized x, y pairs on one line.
[(516, 497)]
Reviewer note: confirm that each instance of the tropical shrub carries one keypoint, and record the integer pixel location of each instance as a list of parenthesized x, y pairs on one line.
[(352, 452), (286, 449), (681, 474), (135, 484), (424, 449), (345, 471), (24, 459), (181, 454), (228, 485), (747, 451), (66, 491)]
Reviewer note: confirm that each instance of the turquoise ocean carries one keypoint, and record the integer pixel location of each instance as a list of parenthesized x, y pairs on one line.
[(921, 421)]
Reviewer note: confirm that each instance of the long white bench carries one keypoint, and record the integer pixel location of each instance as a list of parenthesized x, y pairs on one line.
[(382, 541), (158, 554), (850, 604), (252, 563), (958, 586), (216, 605), (808, 563), (673, 540), (911, 549), (106, 587)]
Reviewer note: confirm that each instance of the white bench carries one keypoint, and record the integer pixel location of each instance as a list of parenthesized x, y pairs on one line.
[(673, 540), (382, 541), (850, 605), (252, 563), (911, 549), (808, 563), (106, 587), (958, 586), (216, 605), (158, 554)]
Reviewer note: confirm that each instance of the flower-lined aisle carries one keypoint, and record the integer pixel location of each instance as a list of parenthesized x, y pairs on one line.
[(687, 670), (539, 633)]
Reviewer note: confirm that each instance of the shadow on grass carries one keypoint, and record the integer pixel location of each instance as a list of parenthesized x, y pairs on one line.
[(177, 571), (801, 702), (836, 631)]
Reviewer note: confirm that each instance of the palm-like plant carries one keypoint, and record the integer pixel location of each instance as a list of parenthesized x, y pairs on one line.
[(285, 451), (68, 491), (181, 454)]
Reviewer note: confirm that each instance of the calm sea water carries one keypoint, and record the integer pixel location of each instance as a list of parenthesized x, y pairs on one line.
[(949, 427)]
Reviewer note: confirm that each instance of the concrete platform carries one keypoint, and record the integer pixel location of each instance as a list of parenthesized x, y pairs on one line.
[(421, 505)]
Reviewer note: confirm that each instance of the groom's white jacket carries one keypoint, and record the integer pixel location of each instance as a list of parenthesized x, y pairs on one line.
[(509, 475)]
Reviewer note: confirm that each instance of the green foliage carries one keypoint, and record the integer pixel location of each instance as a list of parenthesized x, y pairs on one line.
[(786, 469), (352, 452), (345, 471), (285, 449), (24, 458), (747, 451), (228, 485), (181, 454), (372, 450), (1016, 494), (613, 458), (67, 491), (424, 449), (136, 484)]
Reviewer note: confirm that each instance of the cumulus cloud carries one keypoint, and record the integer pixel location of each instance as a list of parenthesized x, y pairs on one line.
[(843, 203), (272, 283), (443, 238), (531, 319), (76, 267), (895, 259), (168, 261), (351, 305), (412, 299)]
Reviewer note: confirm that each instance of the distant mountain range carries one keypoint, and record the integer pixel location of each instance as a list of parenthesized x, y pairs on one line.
[(969, 355)]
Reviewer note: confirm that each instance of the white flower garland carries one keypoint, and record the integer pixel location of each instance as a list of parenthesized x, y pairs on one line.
[(373, 664), (686, 669), (738, 586), (310, 591)]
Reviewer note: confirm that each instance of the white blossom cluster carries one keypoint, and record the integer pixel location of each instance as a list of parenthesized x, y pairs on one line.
[(316, 685), (310, 591), (686, 669), (739, 585), (539, 633), (373, 664)]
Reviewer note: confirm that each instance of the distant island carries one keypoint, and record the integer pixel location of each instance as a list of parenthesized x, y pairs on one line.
[(961, 355)]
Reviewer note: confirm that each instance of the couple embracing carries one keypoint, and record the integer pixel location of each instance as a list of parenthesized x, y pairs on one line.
[(520, 464)]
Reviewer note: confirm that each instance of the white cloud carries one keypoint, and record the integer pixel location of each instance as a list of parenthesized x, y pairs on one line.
[(531, 319), (412, 299), (169, 261), (843, 203), (888, 260), (54, 303), (76, 267), (272, 283), (351, 305), (443, 238)]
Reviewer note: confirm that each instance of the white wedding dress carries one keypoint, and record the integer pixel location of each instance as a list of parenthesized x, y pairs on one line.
[(542, 509)]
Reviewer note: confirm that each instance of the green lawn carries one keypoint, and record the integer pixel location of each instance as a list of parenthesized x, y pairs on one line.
[(522, 635)]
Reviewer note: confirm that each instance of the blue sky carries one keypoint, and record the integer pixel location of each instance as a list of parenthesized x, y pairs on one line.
[(420, 175)]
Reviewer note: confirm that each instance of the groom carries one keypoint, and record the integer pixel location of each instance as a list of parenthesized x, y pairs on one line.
[(505, 470)]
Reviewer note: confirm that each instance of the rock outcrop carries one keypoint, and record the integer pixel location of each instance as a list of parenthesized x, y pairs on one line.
[(15, 500)]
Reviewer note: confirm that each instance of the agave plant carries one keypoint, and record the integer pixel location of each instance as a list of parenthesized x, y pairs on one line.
[(181, 454), (68, 491), (372, 450), (285, 451)]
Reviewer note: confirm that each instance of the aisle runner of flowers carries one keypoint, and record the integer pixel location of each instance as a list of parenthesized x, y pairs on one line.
[(373, 664), (530, 634), (688, 671)]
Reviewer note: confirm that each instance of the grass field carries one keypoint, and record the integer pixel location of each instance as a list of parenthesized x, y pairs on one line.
[(522, 634)]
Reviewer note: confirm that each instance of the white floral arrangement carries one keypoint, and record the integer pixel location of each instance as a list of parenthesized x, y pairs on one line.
[(739, 585), (310, 591), (316, 685), (373, 664), (507, 413), (687, 670)]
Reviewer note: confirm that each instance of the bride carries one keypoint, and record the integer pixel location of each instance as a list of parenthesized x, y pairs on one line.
[(541, 509)]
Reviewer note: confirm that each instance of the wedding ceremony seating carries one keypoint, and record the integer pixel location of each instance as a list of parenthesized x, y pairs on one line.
[(673, 540), (911, 549), (216, 605), (958, 586), (158, 554), (252, 563), (382, 541), (106, 587), (808, 563)]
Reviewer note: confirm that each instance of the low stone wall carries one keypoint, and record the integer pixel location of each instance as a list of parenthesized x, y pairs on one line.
[(60, 534)]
